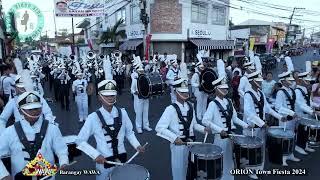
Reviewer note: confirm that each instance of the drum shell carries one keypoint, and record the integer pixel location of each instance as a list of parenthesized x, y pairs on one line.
[(73, 151), (129, 171), (250, 149), (310, 130), (149, 84), (209, 166)]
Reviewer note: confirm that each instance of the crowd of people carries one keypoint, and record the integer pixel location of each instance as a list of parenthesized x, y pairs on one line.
[(241, 95)]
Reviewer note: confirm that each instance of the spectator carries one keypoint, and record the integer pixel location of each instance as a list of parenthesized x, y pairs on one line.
[(268, 85), (235, 94), (163, 71)]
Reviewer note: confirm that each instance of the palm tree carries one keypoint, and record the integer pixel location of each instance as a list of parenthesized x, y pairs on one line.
[(112, 35)]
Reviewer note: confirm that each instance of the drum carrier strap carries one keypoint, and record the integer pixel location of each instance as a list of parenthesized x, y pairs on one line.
[(186, 124), (260, 103), (291, 100), (306, 96), (31, 148), (227, 113), (112, 133)]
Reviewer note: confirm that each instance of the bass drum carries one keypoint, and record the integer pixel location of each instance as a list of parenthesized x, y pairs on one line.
[(150, 84), (207, 76)]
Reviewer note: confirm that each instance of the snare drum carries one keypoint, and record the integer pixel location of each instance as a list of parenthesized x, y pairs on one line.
[(6, 160), (150, 84), (206, 161), (279, 143), (249, 149), (129, 171), (207, 76), (308, 131)]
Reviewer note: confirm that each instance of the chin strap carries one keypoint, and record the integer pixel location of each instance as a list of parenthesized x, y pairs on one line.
[(107, 101), (182, 97), (30, 116)]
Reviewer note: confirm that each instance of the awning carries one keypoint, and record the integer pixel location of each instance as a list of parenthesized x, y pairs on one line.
[(130, 44), (209, 44)]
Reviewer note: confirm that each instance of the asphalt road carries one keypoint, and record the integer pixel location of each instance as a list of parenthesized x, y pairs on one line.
[(157, 157)]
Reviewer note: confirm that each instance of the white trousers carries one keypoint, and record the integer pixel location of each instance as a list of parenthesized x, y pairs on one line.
[(82, 105), (228, 163), (141, 108), (289, 125), (104, 173), (179, 162), (202, 99), (260, 133)]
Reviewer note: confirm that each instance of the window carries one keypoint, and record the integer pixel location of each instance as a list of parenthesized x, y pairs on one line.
[(135, 14), (218, 15), (199, 12), (121, 14)]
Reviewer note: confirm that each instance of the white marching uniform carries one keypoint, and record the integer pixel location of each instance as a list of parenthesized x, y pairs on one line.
[(243, 85), (289, 63), (93, 126), (12, 108), (170, 128), (52, 143), (201, 96), (79, 87), (301, 106), (171, 75), (141, 107), (37, 86), (283, 101), (251, 116), (214, 119)]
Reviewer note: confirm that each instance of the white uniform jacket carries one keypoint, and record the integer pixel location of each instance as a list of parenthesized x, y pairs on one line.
[(79, 87), (301, 106)]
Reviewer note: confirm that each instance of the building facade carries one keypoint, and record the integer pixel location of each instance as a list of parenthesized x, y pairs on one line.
[(179, 27)]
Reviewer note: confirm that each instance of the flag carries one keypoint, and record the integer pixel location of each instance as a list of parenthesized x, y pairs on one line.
[(252, 41)]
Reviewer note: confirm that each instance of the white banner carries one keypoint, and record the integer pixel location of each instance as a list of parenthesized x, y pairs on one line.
[(79, 7)]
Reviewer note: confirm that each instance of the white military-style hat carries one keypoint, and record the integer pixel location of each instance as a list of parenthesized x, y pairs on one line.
[(305, 76), (247, 64), (220, 83), (255, 76), (29, 100), (286, 76), (18, 81), (107, 88), (181, 85)]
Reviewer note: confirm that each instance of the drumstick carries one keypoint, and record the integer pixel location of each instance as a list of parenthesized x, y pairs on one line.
[(193, 143), (205, 137), (114, 163), (236, 135), (251, 132), (285, 125), (136, 154), (70, 164)]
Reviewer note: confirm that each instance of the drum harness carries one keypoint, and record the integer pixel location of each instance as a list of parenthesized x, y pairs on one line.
[(80, 88), (290, 99), (186, 123), (113, 134), (306, 96), (259, 104)]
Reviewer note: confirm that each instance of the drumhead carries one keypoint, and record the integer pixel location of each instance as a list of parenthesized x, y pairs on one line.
[(248, 141), (279, 132), (206, 151), (143, 84), (129, 171), (310, 123), (208, 76)]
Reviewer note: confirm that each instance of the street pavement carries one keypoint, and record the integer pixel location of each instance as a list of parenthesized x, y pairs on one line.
[(157, 156)]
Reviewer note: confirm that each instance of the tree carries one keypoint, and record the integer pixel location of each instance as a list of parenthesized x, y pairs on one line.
[(112, 34)]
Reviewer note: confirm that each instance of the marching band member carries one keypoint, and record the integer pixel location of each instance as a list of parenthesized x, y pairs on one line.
[(303, 107), (221, 117), (64, 87), (177, 125), (244, 82), (141, 106), (22, 84), (255, 108), (7, 83), (201, 96), (288, 61), (30, 135), (285, 104), (173, 74), (109, 125), (79, 87), (36, 84)]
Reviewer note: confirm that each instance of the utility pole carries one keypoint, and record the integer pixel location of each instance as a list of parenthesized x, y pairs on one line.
[(291, 17), (73, 41), (145, 20)]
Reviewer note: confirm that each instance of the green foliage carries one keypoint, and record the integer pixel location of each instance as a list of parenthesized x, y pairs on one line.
[(112, 34)]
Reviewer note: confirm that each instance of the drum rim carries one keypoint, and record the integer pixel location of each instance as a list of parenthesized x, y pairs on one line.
[(250, 147), (283, 137), (312, 126), (201, 156), (131, 165), (149, 82)]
